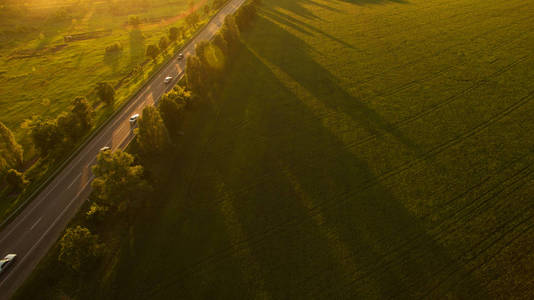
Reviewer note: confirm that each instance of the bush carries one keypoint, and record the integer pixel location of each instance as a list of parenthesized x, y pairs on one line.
[(134, 21), (105, 92), (163, 43), (173, 34), (152, 51), (114, 48)]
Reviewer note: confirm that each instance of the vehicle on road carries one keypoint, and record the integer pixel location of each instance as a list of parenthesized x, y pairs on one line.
[(105, 148), (180, 56), (133, 119), (167, 79), (6, 262)]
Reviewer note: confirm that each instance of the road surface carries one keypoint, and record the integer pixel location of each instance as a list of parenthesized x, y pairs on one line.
[(31, 234)]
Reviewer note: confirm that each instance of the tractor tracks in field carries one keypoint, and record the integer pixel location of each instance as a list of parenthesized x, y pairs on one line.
[(258, 238), (444, 229)]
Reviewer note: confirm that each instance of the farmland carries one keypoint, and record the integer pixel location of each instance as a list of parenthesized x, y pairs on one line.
[(359, 149)]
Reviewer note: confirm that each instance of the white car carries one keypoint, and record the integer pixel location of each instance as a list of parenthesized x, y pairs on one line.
[(105, 148), (167, 79), (180, 56), (134, 118), (6, 262)]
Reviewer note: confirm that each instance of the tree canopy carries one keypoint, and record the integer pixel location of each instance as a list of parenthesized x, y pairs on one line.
[(11, 153), (118, 182), (105, 92), (79, 248)]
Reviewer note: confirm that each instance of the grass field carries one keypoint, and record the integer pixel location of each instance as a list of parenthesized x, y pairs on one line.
[(41, 72), (360, 149)]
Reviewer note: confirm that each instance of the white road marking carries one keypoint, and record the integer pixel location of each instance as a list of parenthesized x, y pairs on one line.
[(74, 181), (43, 235), (91, 148), (35, 224)]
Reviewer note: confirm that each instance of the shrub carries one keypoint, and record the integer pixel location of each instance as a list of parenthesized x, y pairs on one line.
[(152, 51), (134, 21), (114, 48), (105, 92)]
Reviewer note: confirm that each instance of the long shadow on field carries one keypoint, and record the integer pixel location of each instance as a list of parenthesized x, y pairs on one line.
[(112, 59), (297, 24), (321, 83), (327, 224), (268, 202), (137, 46)]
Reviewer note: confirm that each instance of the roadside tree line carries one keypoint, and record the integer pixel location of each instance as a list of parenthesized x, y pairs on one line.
[(123, 182)]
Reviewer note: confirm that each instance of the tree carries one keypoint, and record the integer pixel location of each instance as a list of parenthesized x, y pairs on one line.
[(105, 92), (194, 76), (220, 42), (192, 19), (83, 112), (79, 248), (152, 51), (11, 153), (44, 133), (173, 34), (230, 33), (15, 179), (171, 109), (77, 122), (152, 136), (67, 125), (118, 183), (134, 21), (206, 10), (245, 15), (163, 43)]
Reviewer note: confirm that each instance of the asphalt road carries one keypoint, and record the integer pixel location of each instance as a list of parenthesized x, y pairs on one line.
[(31, 234)]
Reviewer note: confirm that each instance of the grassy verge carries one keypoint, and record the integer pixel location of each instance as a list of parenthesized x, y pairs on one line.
[(387, 155)]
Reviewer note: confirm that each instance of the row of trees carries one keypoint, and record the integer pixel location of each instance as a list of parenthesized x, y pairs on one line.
[(66, 129), (205, 69), (11, 159), (51, 134), (120, 185)]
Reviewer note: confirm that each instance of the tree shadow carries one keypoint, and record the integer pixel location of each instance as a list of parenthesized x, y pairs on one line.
[(298, 25), (321, 83), (112, 60), (304, 248), (137, 46)]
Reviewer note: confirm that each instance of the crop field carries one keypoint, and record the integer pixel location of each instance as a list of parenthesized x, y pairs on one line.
[(53, 51), (359, 149)]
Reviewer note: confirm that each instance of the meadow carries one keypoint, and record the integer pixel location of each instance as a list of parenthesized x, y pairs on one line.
[(359, 149), (53, 51)]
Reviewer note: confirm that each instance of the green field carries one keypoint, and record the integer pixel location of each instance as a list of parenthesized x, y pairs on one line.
[(359, 149), (41, 72)]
